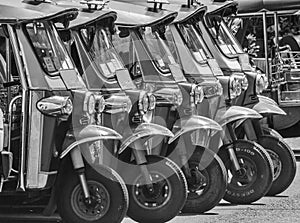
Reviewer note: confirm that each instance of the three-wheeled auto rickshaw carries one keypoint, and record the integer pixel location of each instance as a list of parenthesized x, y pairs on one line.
[(270, 29), (176, 102), (43, 102), (267, 23), (155, 39), (271, 24), (187, 45), (233, 60), (156, 185)]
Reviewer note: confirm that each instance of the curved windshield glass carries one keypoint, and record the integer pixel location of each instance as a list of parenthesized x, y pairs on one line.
[(158, 49), (194, 42), (49, 49), (101, 50), (224, 38)]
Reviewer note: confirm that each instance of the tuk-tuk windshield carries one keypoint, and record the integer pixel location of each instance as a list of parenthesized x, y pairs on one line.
[(194, 42), (101, 51), (158, 49), (50, 51), (223, 37)]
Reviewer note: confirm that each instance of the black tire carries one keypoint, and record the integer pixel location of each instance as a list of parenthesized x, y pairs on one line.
[(113, 192), (170, 189), (211, 194), (284, 163), (256, 160)]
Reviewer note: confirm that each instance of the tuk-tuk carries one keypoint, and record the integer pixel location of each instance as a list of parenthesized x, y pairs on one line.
[(232, 60), (176, 103), (156, 185), (195, 203), (272, 25), (176, 35), (43, 137)]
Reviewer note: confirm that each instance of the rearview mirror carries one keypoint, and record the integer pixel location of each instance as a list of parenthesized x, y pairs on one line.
[(55, 106)]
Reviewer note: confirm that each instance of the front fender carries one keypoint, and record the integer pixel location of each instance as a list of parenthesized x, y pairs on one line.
[(143, 130), (266, 99), (264, 107), (91, 133), (237, 113), (193, 123)]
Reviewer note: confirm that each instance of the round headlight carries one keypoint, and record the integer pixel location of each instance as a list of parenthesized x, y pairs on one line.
[(234, 87), (219, 89), (143, 103), (198, 94), (100, 101), (152, 101), (260, 83), (89, 103), (68, 107), (245, 83), (177, 98)]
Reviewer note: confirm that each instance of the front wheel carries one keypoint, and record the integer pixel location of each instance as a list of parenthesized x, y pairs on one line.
[(206, 193), (164, 199), (109, 197), (284, 163), (255, 177)]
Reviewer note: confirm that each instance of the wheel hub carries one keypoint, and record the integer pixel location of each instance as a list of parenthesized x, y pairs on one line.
[(276, 163), (197, 180), (94, 207), (245, 176), (155, 195)]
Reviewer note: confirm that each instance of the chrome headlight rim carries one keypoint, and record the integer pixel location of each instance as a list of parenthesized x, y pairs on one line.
[(260, 83), (152, 101), (178, 98), (147, 102), (234, 88), (68, 107), (245, 83), (198, 94), (100, 102), (89, 104), (143, 103)]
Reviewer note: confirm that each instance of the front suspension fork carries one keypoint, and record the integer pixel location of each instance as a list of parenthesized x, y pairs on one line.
[(79, 167), (228, 138), (140, 157)]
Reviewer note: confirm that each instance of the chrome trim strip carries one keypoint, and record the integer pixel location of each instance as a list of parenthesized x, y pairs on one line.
[(14, 41)]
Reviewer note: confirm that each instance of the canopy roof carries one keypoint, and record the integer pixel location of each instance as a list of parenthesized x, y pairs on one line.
[(223, 8), (16, 11), (132, 15), (246, 6), (85, 16), (184, 13)]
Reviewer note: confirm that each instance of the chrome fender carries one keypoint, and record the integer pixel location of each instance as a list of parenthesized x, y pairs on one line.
[(266, 99), (193, 123), (143, 130), (268, 106), (90, 134), (237, 113)]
